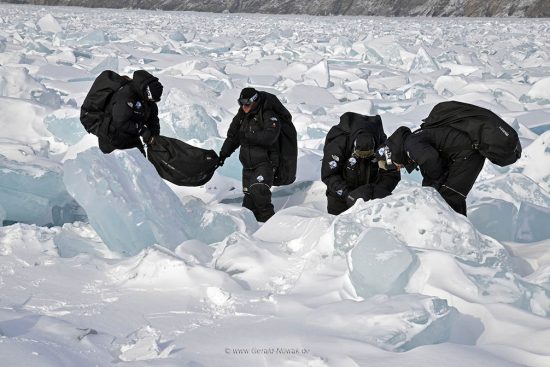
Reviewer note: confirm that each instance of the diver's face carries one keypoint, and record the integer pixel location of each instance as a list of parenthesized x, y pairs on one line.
[(248, 107)]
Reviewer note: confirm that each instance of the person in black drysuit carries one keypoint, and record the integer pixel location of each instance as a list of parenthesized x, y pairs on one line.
[(445, 157), (133, 113), (350, 168), (255, 128)]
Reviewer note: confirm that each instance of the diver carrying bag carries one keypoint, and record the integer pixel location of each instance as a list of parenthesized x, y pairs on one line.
[(285, 174), (181, 163), (92, 112), (490, 135)]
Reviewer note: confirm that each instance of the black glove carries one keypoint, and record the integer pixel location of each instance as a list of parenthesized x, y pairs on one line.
[(147, 136), (380, 192), (221, 160), (153, 91), (364, 192), (342, 194)]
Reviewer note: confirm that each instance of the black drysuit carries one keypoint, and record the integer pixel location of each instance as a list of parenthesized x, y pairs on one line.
[(131, 115), (444, 160), (256, 133), (347, 176)]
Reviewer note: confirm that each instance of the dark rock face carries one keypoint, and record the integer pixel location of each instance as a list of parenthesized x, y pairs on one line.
[(469, 8)]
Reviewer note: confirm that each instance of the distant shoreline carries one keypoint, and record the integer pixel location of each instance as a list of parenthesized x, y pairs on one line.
[(390, 8)]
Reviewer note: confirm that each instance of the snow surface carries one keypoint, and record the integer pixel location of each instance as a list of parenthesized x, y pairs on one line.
[(104, 263)]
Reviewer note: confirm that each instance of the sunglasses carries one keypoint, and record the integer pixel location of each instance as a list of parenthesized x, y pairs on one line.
[(248, 101)]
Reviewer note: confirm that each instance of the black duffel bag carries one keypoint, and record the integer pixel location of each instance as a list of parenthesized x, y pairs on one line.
[(490, 134), (181, 163)]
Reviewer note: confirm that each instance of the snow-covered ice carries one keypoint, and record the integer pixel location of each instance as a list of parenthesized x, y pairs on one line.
[(104, 263), (380, 263), (32, 189), (130, 207)]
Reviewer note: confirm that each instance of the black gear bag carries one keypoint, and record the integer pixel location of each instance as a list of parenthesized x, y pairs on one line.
[(181, 163), (352, 124), (285, 174), (490, 135), (92, 111)]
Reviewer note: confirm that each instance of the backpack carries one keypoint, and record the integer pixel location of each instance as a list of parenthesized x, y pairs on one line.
[(490, 135), (181, 163), (285, 174), (92, 112), (352, 124)]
